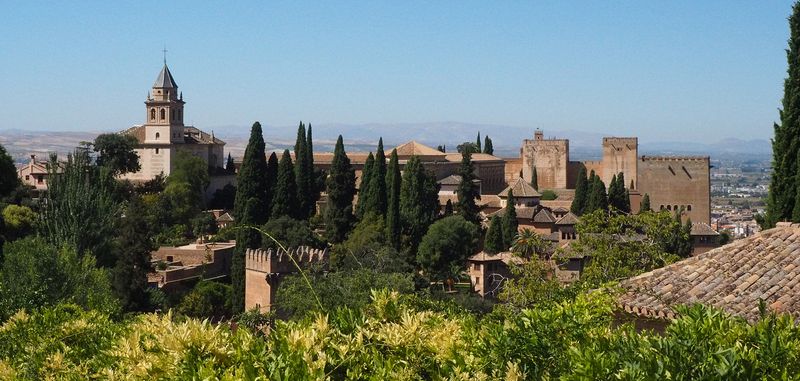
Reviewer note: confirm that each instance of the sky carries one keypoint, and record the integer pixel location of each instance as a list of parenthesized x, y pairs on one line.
[(660, 70)]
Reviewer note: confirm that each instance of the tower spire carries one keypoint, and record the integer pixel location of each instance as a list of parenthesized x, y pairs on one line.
[(165, 54)]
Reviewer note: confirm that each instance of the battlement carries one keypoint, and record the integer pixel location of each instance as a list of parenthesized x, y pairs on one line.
[(618, 139), (279, 261), (676, 158)]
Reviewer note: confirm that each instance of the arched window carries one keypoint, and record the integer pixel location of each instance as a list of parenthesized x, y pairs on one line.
[(688, 208), (669, 207), (156, 151), (158, 135), (152, 114), (163, 114)]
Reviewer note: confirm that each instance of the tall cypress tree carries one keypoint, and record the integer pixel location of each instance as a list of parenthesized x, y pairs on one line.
[(363, 187), (419, 203), (133, 263), (303, 178), (598, 199), (478, 143), (494, 242), (581, 193), (230, 166), (467, 191), (271, 176), (448, 208), (644, 206), (535, 179), (624, 196), (377, 183), (249, 209), (285, 202), (510, 223), (783, 190), (614, 194), (313, 189), (393, 181), (488, 147), (341, 189)]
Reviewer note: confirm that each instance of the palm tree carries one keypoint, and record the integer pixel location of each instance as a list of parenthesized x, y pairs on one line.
[(528, 243)]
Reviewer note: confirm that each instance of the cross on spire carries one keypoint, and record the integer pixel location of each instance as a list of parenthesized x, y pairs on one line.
[(165, 54)]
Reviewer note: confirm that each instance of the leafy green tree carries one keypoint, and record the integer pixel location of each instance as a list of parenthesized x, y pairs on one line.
[(36, 274), (8, 173), (446, 246), (478, 148), (116, 152), (80, 211), (783, 190), (644, 206), (363, 189), (419, 203), (304, 176), (284, 201), (204, 224), (290, 233), (18, 221), (467, 146), (535, 179), (488, 147), (393, 181), (581, 193), (207, 300), (250, 208), (494, 242), (191, 170), (223, 198), (133, 263), (510, 223), (548, 194), (467, 191), (341, 189), (377, 183), (533, 285)]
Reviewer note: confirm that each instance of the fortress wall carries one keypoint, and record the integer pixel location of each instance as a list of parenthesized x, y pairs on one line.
[(620, 155), (550, 157), (265, 268), (513, 169), (573, 169), (677, 181), (593, 165)]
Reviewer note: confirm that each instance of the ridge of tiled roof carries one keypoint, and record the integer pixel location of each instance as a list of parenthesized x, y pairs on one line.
[(702, 228), (415, 148), (521, 188), (568, 219), (544, 215), (734, 278)]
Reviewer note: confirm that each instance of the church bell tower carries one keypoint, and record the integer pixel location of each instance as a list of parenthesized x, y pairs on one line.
[(164, 111)]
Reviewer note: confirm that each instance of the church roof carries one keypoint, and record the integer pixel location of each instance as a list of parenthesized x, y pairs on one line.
[(165, 80), (415, 148)]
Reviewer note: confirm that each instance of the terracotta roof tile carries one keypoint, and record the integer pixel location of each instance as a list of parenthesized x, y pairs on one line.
[(521, 188)]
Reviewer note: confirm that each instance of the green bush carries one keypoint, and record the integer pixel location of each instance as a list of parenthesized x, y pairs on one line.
[(547, 195)]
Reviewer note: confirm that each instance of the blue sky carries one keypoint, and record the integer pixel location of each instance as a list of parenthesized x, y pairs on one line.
[(677, 70)]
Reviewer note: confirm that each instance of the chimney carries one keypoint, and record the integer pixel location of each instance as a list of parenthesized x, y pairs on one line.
[(33, 158)]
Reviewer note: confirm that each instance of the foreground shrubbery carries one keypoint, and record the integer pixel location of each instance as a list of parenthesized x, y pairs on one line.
[(400, 338)]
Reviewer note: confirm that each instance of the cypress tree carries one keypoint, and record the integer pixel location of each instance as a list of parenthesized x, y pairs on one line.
[(341, 189), (393, 181), (363, 188), (133, 263), (488, 148), (598, 198), (419, 203), (313, 189), (783, 189), (624, 197), (448, 208), (510, 223), (467, 191), (284, 201), (249, 209), (271, 176), (493, 243), (478, 143), (302, 177), (581, 193), (230, 166), (377, 183), (614, 194), (535, 179), (644, 206)]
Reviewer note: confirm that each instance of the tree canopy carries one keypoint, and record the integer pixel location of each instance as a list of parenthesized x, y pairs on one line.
[(116, 152)]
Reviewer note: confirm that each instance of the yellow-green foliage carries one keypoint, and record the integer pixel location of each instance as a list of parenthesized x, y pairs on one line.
[(399, 338)]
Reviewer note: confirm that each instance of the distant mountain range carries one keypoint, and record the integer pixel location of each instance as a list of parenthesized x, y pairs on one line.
[(361, 137)]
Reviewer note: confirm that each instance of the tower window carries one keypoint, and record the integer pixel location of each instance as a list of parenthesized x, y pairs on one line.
[(163, 114), (158, 135), (156, 151), (152, 114), (688, 208)]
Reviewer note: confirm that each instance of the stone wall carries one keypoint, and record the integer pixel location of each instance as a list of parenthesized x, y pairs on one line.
[(620, 155), (265, 268), (677, 182), (550, 157)]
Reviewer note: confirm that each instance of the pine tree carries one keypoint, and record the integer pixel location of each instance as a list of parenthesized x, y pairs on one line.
[(249, 209), (341, 189), (377, 183), (448, 208), (393, 181), (467, 191), (535, 179), (363, 188), (488, 148), (419, 203), (478, 143), (285, 202), (581, 193), (133, 263), (644, 206), (782, 201), (510, 223), (230, 166), (493, 243), (302, 176)]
